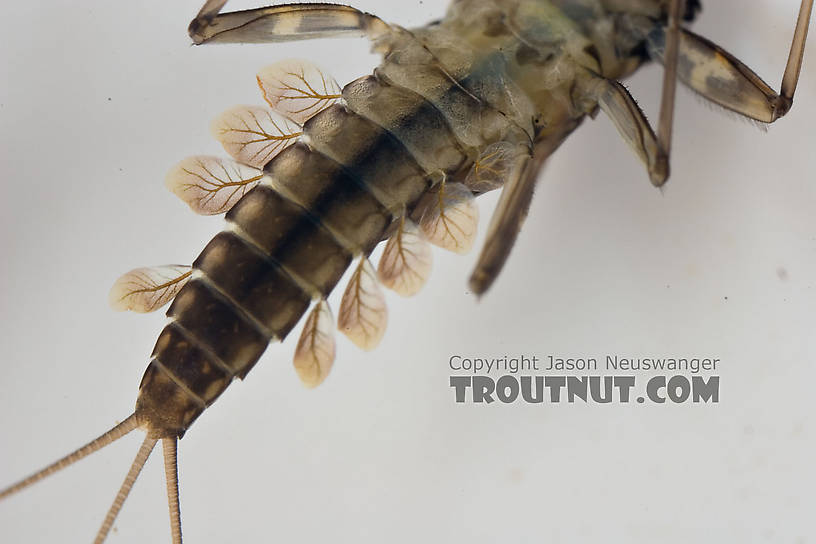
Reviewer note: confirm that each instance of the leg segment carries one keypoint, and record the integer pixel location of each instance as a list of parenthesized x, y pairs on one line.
[(618, 104), (721, 78), (281, 23), (519, 175), (797, 53), (505, 224), (659, 171)]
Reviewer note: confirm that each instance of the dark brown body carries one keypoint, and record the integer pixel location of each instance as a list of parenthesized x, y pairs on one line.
[(423, 116), (255, 280)]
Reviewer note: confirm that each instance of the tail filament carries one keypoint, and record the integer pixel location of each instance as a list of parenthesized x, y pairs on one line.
[(124, 491), (129, 424), (171, 475)]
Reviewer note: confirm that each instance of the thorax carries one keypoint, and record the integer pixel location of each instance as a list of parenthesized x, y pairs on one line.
[(530, 58)]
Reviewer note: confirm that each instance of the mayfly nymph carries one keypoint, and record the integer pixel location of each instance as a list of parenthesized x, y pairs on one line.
[(323, 173)]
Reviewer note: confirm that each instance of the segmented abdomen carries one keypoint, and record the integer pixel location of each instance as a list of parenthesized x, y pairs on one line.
[(289, 240)]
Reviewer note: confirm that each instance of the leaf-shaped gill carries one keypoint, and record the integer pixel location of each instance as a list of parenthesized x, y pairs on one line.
[(450, 217), (210, 185), (297, 89), (314, 355), (254, 135), (147, 289), (363, 314), (493, 167), (406, 261)]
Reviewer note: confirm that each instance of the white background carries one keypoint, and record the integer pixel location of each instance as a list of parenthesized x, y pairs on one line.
[(99, 99)]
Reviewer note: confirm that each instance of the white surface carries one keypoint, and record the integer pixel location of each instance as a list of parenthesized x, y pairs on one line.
[(99, 99)]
